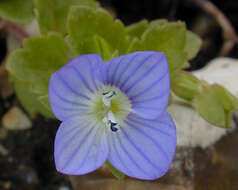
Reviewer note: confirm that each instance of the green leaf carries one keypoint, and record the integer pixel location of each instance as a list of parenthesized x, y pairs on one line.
[(135, 43), (37, 60), (19, 11), (104, 49), (137, 29), (229, 101), (158, 22), (170, 98), (228, 119), (166, 37), (44, 100), (30, 100), (114, 171), (185, 85), (209, 106), (193, 44), (52, 14), (85, 23)]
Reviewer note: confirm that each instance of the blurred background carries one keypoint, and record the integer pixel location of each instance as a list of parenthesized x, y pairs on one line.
[(26, 156)]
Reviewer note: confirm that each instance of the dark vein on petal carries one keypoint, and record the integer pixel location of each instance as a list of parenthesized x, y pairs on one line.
[(147, 108), (74, 130), (136, 69), (117, 153), (107, 72), (67, 142), (82, 79), (91, 72), (126, 67), (150, 138), (143, 75), (70, 88), (131, 158), (99, 145), (67, 101), (89, 149), (78, 147), (152, 98), (151, 127), (140, 93), (69, 109), (140, 78), (116, 68), (139, 150)]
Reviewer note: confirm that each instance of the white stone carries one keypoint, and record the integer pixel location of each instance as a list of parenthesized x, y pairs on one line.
[(32, 29), (64, 188), (223, 71), (16, 119), (193, 130), (3, 150)]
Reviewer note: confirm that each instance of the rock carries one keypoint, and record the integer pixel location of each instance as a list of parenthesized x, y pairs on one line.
[(14, 43), (7, 185), (222, 71), (16, 119), (32, 28), (193, 130), (80, 183), (64, 188), (3, 150), (216, 167), (3, 133), (6, 88), (179, 177)]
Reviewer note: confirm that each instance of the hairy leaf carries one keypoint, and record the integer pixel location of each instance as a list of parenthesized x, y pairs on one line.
[(85, 23), (19, 11), (185, 85), (37, 60), (119, 175), (52, 14), (166, 37), (209, 106), (137, 29), (193, 44), (30, 100)]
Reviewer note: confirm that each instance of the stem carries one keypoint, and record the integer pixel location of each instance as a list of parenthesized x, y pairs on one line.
[(14, 28), (230, 37)]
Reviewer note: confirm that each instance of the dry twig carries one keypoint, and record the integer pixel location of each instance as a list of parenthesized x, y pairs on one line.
[(13, 28), (229, 35)]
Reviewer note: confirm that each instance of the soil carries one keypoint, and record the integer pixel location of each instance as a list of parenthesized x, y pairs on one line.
[(28, 163)]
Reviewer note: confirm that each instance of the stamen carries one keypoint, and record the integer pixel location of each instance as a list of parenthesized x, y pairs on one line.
[(107, 96), (113, 128), (110, 121), (111, 117)]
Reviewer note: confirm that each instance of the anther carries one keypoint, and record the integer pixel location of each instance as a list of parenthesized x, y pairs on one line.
[(106, 98), (114, 129), (110, 121)]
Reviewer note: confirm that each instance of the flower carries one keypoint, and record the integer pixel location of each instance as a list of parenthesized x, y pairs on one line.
[(113, 111)]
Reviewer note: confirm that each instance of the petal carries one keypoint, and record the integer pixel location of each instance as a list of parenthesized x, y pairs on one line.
[(80, 146), (142, 148), (70, 87), (144, 78)]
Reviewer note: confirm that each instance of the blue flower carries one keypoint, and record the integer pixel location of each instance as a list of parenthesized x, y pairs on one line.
[(113, 111)]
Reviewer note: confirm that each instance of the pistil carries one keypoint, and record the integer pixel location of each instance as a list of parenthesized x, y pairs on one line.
[(109, 119)]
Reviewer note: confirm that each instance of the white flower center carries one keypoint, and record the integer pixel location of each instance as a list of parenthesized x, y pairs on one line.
[(110, 107)]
